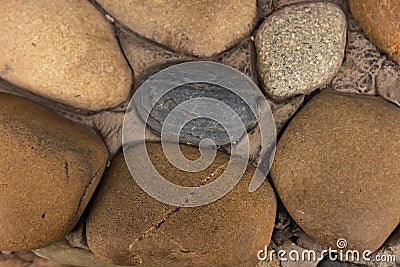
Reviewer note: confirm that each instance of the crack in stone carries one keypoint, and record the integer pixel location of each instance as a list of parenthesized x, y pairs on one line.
[(153, 227), (214, 172), (66, 169), (157, 226)]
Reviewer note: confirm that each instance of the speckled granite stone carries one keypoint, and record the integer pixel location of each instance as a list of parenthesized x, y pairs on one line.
[(300, 48)]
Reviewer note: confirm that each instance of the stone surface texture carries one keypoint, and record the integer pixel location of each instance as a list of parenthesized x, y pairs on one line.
[(242, 58), (49, 170), (65, 51), (25, 259), (331, 167), (63, 253), (300, 48), (366, 70), (380, 21), (360, 69), (127, 226), (198, 129), (201, 28), (388, 82)]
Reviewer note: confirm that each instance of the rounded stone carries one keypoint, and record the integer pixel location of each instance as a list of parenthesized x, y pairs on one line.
[(199, 100), (201, 28), (336, 169), (128, 227), (49, 168), (65, 51), (198, 129), (300, 48), (380, 21)]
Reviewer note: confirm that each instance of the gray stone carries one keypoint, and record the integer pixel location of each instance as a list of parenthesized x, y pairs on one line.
[(207, 96), (300, 48), (200, 128)]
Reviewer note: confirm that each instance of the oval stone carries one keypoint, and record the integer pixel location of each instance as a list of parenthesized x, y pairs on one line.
[(380, 21), (126, 226), (201, 28), (65, 51), (300, 48), (49, 168), (337, 169), (200, 128)]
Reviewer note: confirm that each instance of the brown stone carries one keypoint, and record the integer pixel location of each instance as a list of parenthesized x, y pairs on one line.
[(128, 227), (380, 21), (336, 169), (65, 51), (49, 168), (201, 28)]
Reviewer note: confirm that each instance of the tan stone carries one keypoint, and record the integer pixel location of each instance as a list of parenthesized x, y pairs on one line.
[(63, 253), (380, 21), (336, 169), (63, 50), (202, 28), (127, 226), (26, 259), (49, 168)]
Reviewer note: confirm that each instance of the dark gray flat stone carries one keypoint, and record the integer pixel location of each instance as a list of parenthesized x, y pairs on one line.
[(201, 128), (204, 97)]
